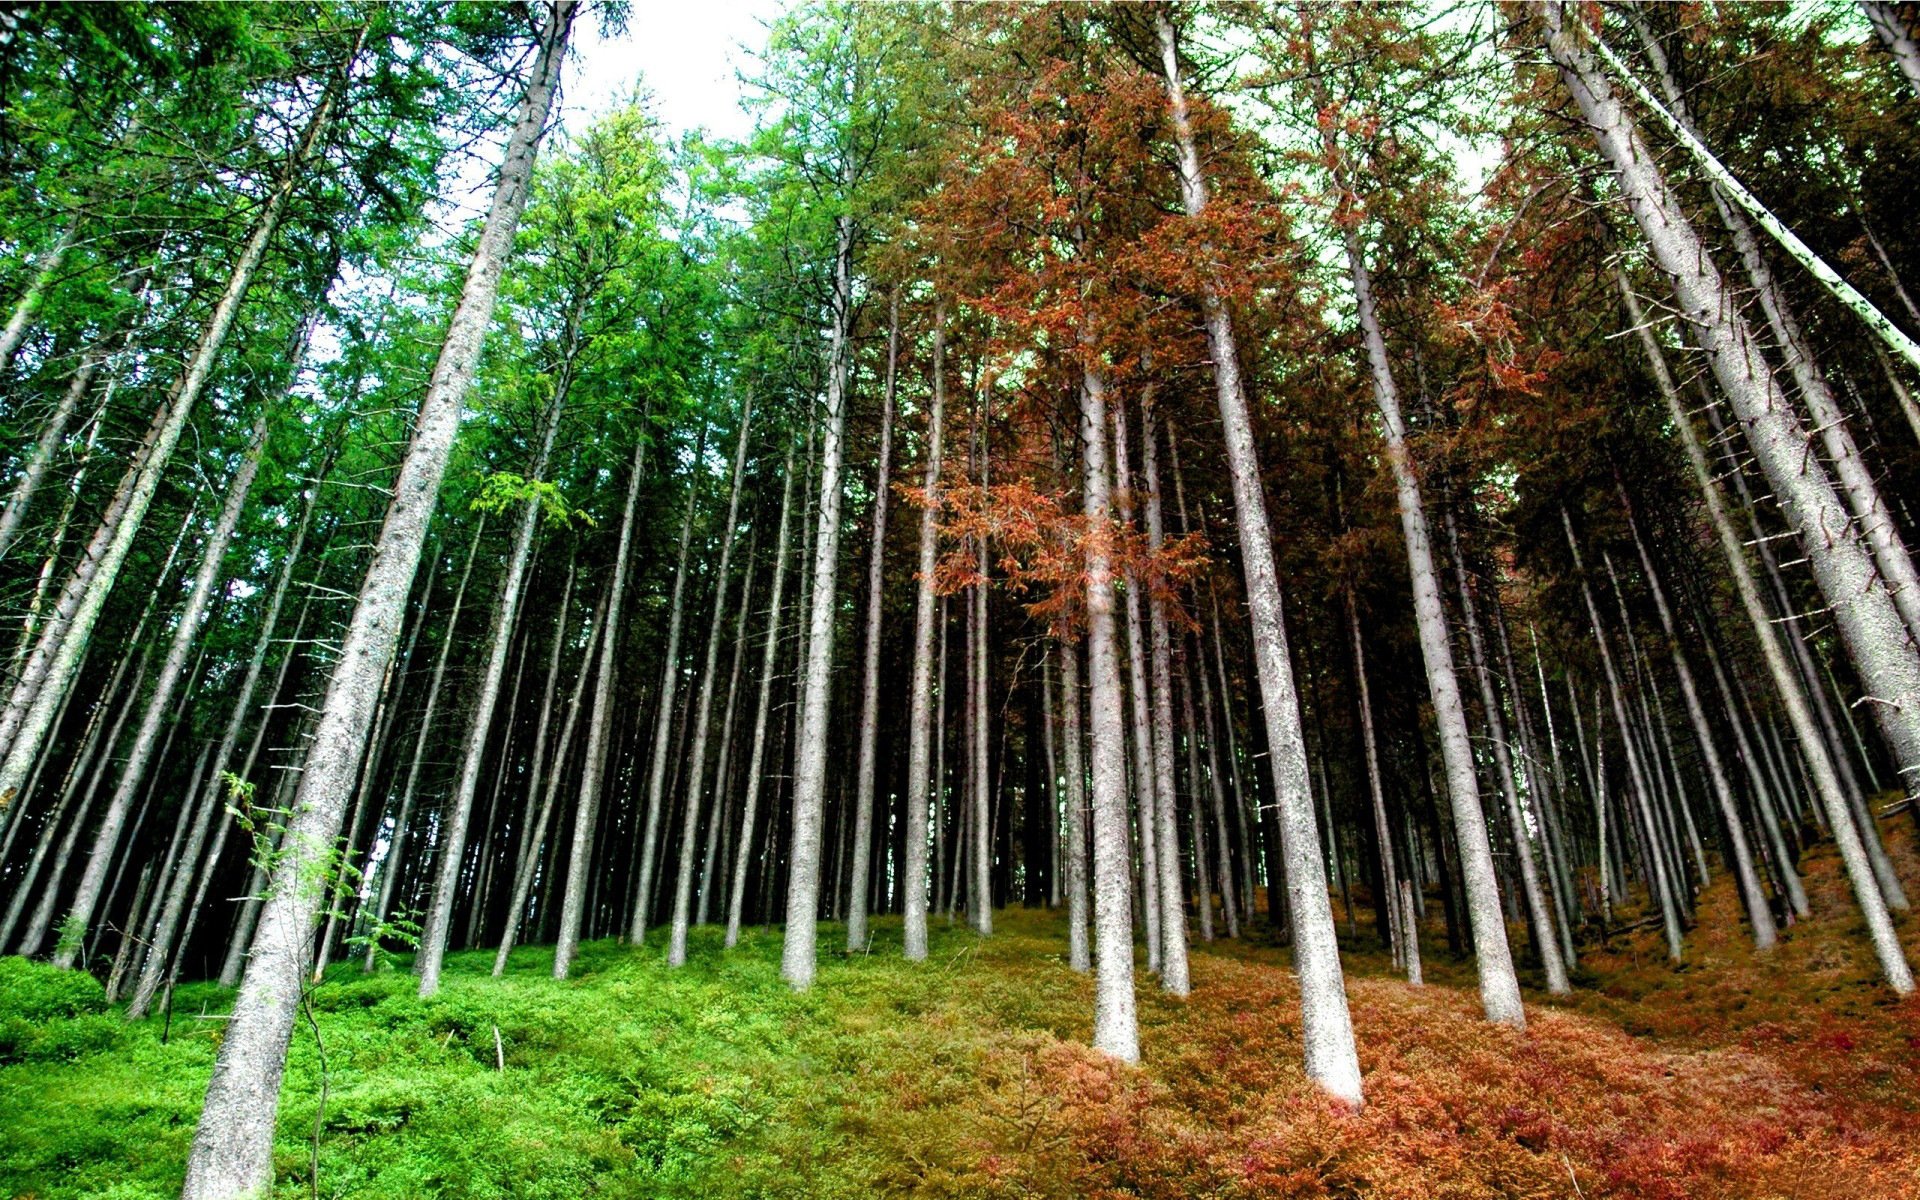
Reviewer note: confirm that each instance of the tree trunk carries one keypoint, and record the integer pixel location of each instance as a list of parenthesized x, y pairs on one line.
[(870, 681), (1875, 635), (160, 961), (1146, 778), (769, 658), (1074, 864), (1331, 1059), (1897, 38), (52, 432), (664, 710), (233, 1147), (703, 708), (922, 788), (586, 815), (506, 615), (1174, 977), (810, 768), (1116, 1028), (51, 667), (1546, 939), (186, 631), (46, 268), (1853, 854)]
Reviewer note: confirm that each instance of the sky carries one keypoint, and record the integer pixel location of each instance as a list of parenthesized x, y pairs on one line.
[(686, 54)]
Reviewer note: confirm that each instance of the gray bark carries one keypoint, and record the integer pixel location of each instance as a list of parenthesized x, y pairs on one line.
[(1174, 976), (233, 1147), (152, 721), (1876, 636), (1116, 1029), (506, 615), (797, 955), (52, 432), (45, 269), (1074, 858), (1893, 963), (586, 814), (750, 806), (1327, 1030), (703, 708), (870, 680), (921, 786), (664, 711), (1896, 37), (51, 667)]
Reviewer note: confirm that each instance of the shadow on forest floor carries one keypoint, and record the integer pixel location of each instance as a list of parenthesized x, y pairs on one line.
[(1736, 1075)]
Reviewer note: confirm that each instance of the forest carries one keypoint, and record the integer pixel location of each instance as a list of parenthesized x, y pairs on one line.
[(1165, 599)]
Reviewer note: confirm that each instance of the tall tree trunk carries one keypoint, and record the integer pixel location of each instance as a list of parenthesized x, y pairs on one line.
[(724, 763), (1074, 857), (52, 432), (923, 787), (810, 769), (47, 266), (1758, 914), (1546, 940), (396, 856), (544, 779), (870, 680), (161, 960), (1116, 1028), (703, 708), (1174, 976), (769, 658), (593, 762), (1146, 778), (233, 1147), (186, 631), (1853, 854), (657, 797), (506, 615), (1897, 38), (1876, 637), (1389, 871), (25, 723), (1327, 1029), (979, 737)]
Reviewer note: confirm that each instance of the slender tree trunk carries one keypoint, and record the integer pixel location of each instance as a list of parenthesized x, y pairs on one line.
[(586, 815), (389, 869), (233, 1147), (1074, 864), (664, 712), (1893, 963), (769, 659), (1389, 871), (45, 269), (1146, 779), (25, 723), (923, 788), (979, 711), (1871, 627), (1546, 940), (1897, 38), (810, 768), (703, 709), (870, 681), (1174, 977), (160, 963), (543, 783), (1115, 1026), (506, 616), (159, 704), (1327, 1030), (723, 771), (40, 458)]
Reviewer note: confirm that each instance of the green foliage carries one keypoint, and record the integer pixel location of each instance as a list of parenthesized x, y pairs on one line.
[(51, 1015), (503, 490)]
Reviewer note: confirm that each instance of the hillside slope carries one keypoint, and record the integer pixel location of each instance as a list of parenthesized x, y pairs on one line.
[(1737, 1077)]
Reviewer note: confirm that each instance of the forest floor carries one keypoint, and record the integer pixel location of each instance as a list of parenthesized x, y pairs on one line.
[(1736, 1075)]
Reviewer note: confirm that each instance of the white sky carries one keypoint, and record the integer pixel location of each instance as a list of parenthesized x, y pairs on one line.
[(685, 54)]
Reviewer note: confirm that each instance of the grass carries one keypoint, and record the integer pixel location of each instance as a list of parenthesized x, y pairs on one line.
[(1790, 1075)]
